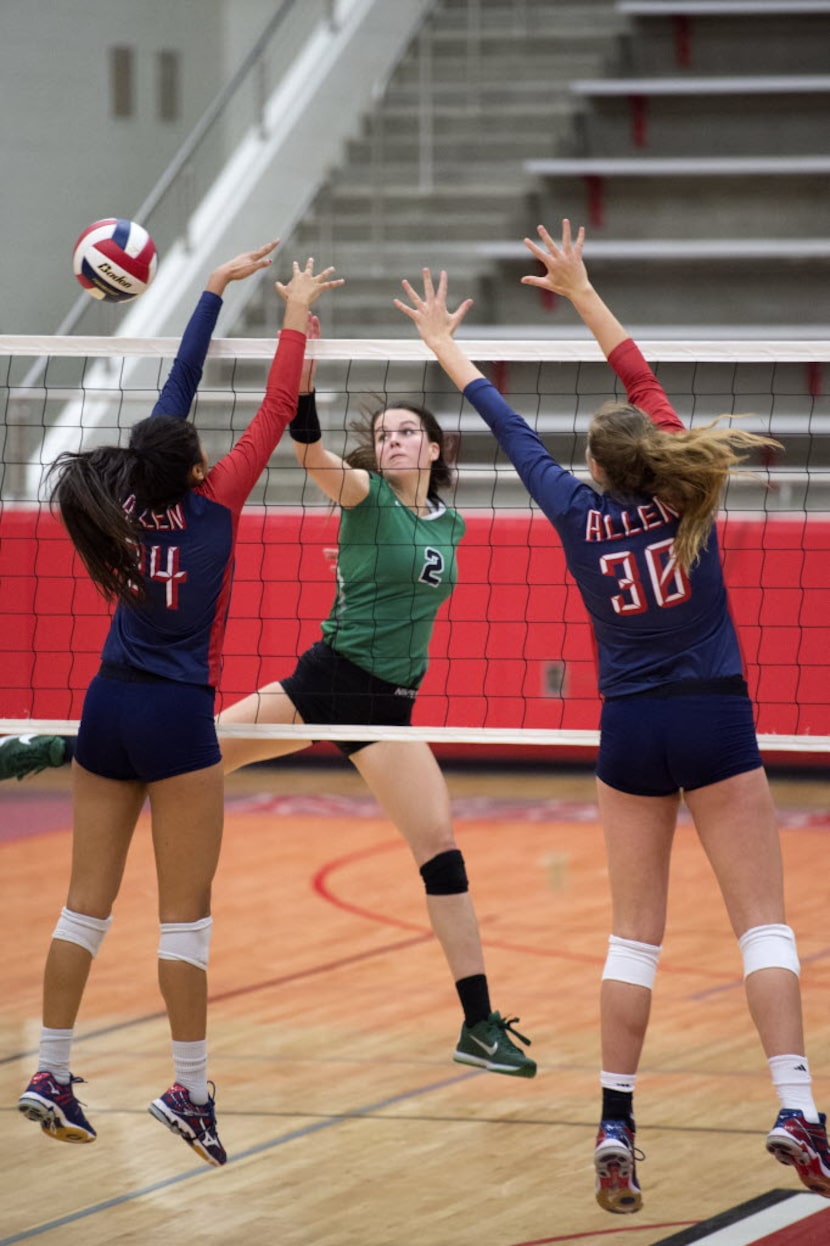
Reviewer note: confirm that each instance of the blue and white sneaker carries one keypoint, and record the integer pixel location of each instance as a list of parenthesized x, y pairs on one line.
[(797, 1142), (53, 1105), (195, 1122), (616, 1171)]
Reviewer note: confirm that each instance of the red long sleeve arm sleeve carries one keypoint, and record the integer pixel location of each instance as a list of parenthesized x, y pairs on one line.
[(642, 387), (234, 476)]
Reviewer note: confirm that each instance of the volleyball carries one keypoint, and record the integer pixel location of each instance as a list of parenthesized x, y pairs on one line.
[(115, 260)]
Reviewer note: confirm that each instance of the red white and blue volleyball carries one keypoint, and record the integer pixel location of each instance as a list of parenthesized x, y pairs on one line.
[(115, 260)]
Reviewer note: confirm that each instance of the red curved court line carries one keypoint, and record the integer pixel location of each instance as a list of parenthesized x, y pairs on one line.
[(320, 884)]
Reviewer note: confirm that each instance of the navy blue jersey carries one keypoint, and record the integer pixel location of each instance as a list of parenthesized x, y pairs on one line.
[(654, 624), (186, 551)]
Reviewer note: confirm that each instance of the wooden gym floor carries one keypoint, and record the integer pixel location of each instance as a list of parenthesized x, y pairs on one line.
[(333, 1018)]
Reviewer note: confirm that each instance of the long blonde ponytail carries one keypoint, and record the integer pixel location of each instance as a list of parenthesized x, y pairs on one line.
[(686, 470)]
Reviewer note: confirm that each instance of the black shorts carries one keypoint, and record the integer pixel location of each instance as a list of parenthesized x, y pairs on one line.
[(327, 688), (656, 746)]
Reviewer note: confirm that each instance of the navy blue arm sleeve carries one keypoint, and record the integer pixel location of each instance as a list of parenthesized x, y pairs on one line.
[(550, 485), (180, 387)]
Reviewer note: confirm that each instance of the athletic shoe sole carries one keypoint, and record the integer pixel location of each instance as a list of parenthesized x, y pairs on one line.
[(479, 1062), (614, 1165), (53, 1123), (787, 1150), (177, 1126)]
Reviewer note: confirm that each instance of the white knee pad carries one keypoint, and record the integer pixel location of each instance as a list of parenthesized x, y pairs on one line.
[(629, 961), (187, 941), (87, 932), (769, 947)]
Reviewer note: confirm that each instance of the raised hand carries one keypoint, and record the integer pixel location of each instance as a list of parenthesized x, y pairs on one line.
[(565, 272), (430, 314), (437, 324), (241, 266), (305, 285)]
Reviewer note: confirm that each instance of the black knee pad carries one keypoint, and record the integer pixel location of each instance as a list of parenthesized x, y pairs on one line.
[(445, 874)]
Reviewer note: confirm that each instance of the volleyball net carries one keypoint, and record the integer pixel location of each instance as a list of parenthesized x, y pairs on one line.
[(511, 661)]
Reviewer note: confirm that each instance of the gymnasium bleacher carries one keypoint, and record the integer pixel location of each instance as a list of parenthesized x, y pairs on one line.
[(696, 151)]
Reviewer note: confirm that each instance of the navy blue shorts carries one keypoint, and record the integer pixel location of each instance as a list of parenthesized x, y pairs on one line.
[(652, 746), (328, 688), (146, 730)]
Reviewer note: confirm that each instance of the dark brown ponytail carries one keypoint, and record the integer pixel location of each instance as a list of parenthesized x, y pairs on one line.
[(92, 487)]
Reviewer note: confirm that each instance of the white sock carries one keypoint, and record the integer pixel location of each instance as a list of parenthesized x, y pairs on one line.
[(54, 1053), (793, 1084), (624, 1082), (190, 1063)]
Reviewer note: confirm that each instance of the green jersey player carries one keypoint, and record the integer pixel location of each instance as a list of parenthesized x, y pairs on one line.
[(396, 566)]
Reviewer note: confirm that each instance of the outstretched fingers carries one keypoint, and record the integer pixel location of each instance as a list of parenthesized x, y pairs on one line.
[(244, 265), (568, 246), (580, 240), (253, 261), (326, 282), (431, 297), (429, 311), (548, 250), (261, 252), (416, 303), (458, 315), (412, 293), (558, 259), (307, 284), (323, 280), (544, 258), (411, 312)]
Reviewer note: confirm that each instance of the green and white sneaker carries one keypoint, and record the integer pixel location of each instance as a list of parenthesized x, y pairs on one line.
[(487, 1045), (29, 754)]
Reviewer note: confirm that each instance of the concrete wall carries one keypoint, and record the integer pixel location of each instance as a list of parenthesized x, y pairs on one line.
[(66, 160), (69, 161)]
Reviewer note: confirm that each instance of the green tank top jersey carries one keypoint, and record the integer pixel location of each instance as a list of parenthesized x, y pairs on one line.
[(394, 571)]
